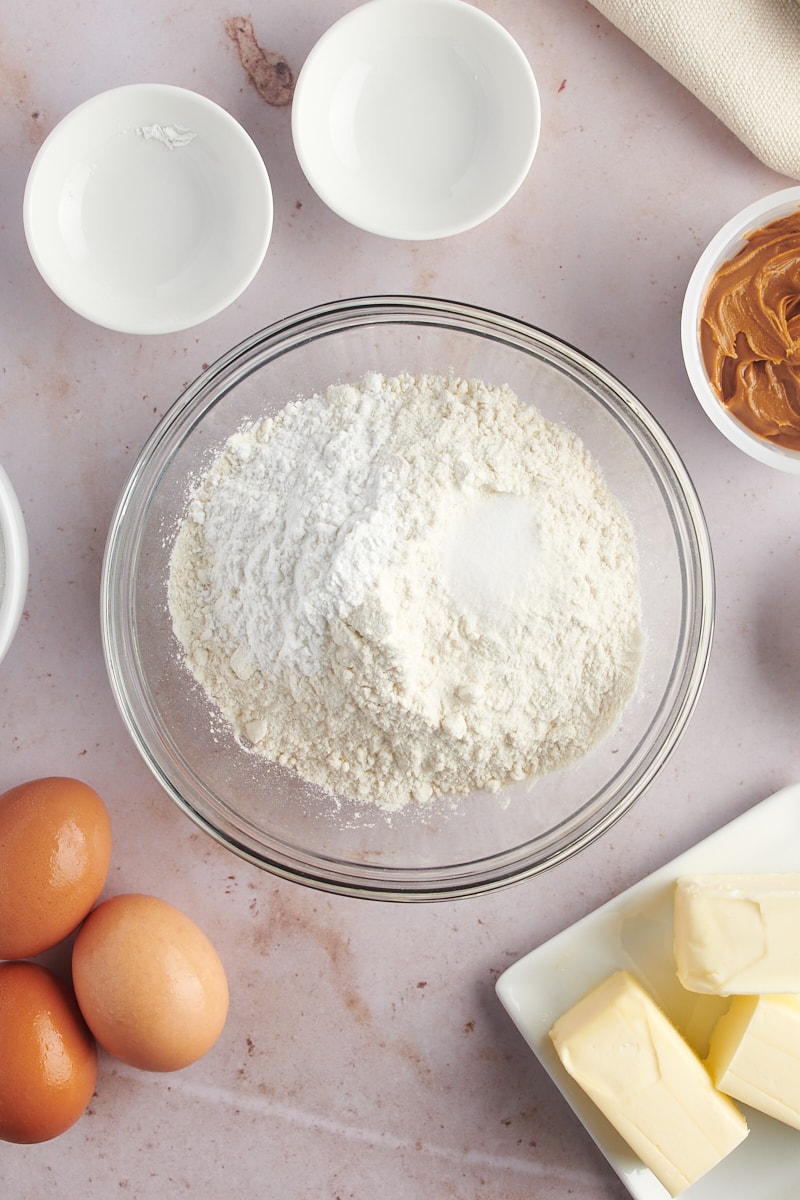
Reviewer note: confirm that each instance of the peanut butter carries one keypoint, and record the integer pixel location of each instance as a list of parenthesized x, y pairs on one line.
[(750, 332)]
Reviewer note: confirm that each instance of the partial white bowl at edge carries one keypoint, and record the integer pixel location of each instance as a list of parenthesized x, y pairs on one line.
[(13, 563)]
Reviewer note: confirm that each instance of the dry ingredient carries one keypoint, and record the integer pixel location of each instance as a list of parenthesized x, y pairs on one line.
[(171, 136), (750, 332), (409, 587)]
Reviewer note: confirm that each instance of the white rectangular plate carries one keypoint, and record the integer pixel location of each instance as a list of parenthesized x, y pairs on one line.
[(634, 931)]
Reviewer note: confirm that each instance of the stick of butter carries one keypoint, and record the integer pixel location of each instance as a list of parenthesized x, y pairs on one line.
[(632, 1062), (738, 934), (754, 1054)]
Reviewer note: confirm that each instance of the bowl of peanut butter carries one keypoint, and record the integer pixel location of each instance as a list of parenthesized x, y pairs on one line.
[(740, 330)]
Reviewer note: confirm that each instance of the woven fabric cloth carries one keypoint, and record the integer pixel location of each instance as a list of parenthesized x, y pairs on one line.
[(741, 58)]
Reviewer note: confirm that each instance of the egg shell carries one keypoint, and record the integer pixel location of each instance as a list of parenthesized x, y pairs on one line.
[(149, 983), (48, 1058), (55, 849)]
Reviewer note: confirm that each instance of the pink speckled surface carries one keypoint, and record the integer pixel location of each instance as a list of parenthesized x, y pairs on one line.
[(366, 1053)]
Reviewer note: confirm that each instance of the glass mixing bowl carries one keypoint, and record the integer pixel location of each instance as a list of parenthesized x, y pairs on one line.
[(435, 851)]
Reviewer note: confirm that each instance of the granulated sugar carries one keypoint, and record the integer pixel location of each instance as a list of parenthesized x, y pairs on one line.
[(409, 587)]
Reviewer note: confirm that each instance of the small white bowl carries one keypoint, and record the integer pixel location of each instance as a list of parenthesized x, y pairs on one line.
[(722, 247), (13, 563), (148, 209), (416, 119)]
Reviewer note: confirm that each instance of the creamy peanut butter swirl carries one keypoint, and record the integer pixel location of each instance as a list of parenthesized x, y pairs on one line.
[(750, 332)]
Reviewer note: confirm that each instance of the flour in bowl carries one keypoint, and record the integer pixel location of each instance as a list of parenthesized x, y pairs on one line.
[(409, 587)]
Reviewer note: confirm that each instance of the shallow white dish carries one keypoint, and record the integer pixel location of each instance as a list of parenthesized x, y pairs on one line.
[(416, 119), (723, 246), (13, 563), (634, 931), (148, 209)]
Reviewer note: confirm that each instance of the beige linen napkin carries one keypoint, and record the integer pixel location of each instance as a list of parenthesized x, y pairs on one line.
[(741, 58)]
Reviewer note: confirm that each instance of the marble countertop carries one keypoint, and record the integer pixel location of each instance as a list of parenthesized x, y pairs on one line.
[(366, 1053)]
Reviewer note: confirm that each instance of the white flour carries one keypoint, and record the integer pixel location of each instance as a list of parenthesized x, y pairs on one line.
[(171, 136), (409, 587)]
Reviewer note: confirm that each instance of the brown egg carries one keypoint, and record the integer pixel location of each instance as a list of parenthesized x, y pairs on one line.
[(48, 1058), (55, 847), (149, 983)]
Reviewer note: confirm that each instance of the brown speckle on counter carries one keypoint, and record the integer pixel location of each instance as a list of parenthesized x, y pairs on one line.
[(15, 92), (270, 73)]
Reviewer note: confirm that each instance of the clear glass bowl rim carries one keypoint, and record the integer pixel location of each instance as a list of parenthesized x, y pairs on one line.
[(117, 602)]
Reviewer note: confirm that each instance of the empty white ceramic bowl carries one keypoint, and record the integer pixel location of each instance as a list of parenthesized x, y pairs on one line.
[(416, 119), (148, 209), (13, 563), (722, 247)]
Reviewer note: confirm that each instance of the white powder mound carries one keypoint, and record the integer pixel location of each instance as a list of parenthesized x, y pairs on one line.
[(409, 587)]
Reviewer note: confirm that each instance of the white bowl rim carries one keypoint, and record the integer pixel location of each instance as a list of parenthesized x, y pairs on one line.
[(367, 17), (193, 308), (15, 547), (723, 246)]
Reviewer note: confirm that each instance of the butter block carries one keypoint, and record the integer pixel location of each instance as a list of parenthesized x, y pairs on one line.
[(754, 1054), (738, 934), (647, 1081)]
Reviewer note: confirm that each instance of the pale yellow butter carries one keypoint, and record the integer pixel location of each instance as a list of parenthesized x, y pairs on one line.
[(754, 1054), (622, 1050), (738, 934)]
